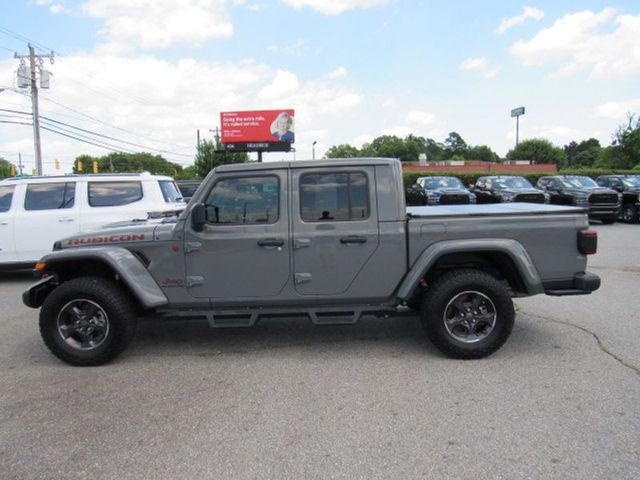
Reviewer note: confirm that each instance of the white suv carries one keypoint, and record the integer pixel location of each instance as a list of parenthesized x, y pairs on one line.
[(37, 211)]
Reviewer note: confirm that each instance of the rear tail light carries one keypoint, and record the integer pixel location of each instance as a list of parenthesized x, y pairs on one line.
[(588, 242)]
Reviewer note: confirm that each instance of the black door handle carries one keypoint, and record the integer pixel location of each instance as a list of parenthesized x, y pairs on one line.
[(270, 242), (353, 239)]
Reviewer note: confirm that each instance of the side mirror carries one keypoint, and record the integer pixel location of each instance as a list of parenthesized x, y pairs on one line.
[(198, 217)]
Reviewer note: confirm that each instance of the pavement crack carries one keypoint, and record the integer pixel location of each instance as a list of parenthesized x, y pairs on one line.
[(616, 356)]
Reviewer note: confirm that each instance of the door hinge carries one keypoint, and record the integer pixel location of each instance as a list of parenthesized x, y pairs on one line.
[(302, 278), (192, 247), (194, 281)]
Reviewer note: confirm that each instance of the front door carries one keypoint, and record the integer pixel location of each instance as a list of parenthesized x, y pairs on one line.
[(335, 228), (7, 243), (243, 250)]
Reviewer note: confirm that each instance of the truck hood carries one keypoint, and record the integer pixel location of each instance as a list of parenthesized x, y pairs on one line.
[(449, 191), (115, 234)]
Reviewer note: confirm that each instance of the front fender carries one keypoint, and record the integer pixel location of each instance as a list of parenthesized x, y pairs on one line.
[(514, 249), (130, 270)]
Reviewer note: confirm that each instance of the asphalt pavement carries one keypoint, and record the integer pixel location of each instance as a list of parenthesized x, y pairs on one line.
[(289, 400)]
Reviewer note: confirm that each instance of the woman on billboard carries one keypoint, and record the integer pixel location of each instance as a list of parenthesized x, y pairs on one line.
[(282, 127)]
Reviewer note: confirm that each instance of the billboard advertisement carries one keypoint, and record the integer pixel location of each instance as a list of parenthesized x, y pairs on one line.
[(258, 126)]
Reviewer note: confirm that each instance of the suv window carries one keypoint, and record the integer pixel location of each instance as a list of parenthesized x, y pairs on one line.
[(244, 200), (170, 191), (6, 195), (334, 196), (111, 194), (50, 196)]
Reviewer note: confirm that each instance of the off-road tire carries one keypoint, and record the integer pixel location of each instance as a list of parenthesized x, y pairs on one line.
[(449, 287), (115, 305)]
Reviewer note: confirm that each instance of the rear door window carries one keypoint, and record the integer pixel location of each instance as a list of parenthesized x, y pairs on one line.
[(50, 196), (112, 194), (334, 197), (6, 195)]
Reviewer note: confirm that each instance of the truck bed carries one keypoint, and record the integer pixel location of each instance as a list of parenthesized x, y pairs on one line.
[(491, 209)]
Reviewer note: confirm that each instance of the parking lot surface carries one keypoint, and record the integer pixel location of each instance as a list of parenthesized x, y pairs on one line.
[(287, 399)]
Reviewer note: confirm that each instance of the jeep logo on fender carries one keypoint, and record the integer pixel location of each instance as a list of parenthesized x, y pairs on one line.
[(110, 239)]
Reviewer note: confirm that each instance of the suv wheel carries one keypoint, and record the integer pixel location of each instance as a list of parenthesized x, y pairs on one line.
[(467, 314), (87, 321)]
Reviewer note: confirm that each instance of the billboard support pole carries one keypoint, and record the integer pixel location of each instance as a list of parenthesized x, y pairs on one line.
[(259, 156)]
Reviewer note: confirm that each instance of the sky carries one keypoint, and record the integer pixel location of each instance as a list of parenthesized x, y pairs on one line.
[(154, 72)]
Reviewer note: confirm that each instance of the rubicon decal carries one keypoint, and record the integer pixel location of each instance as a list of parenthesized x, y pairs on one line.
[(110, 239)]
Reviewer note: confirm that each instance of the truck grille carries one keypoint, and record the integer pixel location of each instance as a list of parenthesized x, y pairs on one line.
[(603, 198), (454, 199), (529, 197)]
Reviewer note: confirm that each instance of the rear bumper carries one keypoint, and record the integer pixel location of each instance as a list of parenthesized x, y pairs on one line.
[(581, 284)]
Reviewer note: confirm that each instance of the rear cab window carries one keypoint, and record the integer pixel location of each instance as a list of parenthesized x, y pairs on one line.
[(112, 194), (50, 196)]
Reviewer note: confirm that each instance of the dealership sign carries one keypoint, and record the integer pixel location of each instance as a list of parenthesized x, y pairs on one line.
[(258, 127)]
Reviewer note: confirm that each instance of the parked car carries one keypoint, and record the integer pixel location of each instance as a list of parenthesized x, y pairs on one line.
[(506, 188), (581, 191), (437, 190), (329, 240), (37, 211), (629, 187), (188, 188)]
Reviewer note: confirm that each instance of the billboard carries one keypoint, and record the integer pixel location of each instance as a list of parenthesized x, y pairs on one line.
[(257, 126)]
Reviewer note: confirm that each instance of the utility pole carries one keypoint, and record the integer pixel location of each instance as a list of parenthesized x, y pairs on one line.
[(20, 166), (33, 58)]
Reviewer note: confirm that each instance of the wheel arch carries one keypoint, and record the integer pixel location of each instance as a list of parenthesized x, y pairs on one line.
[(503, 258), (116, 263)]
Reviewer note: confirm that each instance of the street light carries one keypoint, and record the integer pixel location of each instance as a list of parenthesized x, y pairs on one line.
[(313, 150)]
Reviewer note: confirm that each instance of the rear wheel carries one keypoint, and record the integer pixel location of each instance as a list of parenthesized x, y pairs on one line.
[(87, 321), (467, 314)]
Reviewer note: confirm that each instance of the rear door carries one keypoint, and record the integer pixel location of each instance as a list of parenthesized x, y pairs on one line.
[(49, 212), (335, 227), (7, 241), (243, 250)]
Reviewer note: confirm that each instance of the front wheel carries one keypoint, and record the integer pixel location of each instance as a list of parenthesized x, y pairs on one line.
[(87, 321), (467, 314), (630, 214)]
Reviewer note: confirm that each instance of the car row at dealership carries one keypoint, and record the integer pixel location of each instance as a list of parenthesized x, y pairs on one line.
[(608, 198)]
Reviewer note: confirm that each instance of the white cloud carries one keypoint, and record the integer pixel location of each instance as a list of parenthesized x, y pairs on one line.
[(479, 64), (603, 43), (333, 7), (420, 118), (556, 134), (527, 13), (282, 85), (360, 140), (57, 8), (337, 73), (132, 24), (294, 49), (617, 110), (398, 130)]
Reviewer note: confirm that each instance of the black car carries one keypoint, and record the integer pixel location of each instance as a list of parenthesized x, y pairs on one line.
[(436, 190), (580, 191), (188, 188), (629, 187), (506, 188)]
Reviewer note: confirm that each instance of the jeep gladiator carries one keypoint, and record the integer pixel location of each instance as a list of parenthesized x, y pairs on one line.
[(330, 240)]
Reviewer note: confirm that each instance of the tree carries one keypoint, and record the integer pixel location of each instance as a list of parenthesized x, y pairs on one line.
[(455, 145), (583, 154), (611, 157), (5, 168), (434, 150), (481, 152), (627, 137), (211, 154), (120, 162), (343, 151), (538, 150)]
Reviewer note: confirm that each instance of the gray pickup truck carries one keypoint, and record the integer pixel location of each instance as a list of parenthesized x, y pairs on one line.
[(329, 240)]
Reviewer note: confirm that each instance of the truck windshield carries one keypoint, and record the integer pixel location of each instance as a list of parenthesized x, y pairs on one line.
[(579, 182), (512, 182), (633, 181), (444, 182)]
